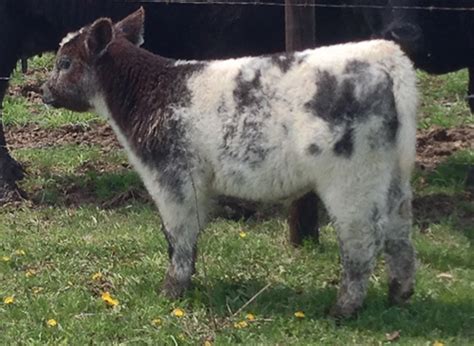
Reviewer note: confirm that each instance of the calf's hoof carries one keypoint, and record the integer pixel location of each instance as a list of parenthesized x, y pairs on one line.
[(397, 295), (342, 312), (173, 289)]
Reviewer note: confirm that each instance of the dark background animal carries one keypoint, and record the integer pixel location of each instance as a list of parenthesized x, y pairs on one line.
[(437, 41)]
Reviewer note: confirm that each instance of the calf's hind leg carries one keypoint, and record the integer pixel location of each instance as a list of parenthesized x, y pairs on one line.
[(359, 230), (359, 243), (399, 252)]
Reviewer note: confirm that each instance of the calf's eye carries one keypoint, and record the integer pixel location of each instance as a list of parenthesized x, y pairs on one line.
[(64, 63)]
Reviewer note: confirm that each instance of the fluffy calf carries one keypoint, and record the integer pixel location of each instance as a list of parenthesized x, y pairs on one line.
[(338, 120)]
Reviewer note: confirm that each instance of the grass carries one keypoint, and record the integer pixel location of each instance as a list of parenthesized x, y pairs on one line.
[(443, 100), (51, 250), (64, 247)]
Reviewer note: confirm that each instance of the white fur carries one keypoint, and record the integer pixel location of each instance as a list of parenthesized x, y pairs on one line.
[(70, 36)]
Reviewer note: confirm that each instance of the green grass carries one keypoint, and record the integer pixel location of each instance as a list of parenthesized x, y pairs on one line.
[(51, 248), (18, 112), (443, 100), (66, 246)]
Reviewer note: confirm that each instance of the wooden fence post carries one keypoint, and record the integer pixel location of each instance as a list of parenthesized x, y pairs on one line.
[(299, 25), (300, 34)]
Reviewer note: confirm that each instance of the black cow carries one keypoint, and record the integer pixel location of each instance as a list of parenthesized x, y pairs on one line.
[(438, 41)]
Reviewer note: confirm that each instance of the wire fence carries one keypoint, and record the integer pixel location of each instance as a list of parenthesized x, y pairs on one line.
[(306, 3), (311, 4)]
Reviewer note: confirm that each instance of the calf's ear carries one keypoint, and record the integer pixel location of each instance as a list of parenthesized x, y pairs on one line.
[(99, 37), (132, 27)]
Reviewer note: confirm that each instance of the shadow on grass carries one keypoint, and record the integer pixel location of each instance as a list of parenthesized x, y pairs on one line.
[(419, 318), (118, 189), (124, 187), (106, 189), (444, 197), (439, 207)]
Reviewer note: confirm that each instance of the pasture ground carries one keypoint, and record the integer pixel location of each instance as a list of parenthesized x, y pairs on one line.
[(89, 228)]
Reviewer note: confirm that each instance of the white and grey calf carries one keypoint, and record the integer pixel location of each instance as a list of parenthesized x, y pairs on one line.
[(337, 120)]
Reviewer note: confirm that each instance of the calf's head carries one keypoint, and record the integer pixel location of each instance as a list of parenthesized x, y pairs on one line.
[(74, 83)]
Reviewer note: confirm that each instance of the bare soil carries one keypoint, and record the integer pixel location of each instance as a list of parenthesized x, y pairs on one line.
[(34, 136), (436, 144)]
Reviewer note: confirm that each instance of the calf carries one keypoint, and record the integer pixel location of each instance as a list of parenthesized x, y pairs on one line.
[(339, 121)]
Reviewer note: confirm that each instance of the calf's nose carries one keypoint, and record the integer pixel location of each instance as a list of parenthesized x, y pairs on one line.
[(47, 96)]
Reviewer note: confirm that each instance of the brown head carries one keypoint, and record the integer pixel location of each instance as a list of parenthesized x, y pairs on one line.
[(73, 82)]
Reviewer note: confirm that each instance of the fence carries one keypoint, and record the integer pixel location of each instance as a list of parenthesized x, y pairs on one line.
[(306, 3)]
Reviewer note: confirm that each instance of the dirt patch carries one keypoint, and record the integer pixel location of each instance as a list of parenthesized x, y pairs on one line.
[(30, 88), (34, 136), (433, 145), (437, 144)]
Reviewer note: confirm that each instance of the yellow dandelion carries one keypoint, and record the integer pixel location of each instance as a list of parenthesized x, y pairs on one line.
[(438, 343), (250, 317), (30, 272), (52, 323), (299, 314), (156, 322), (9, 300), (242, 234), (97, 276), (241, 325), (178, 312), (181, 337), (6, 258), (20, 252), (109, 300)]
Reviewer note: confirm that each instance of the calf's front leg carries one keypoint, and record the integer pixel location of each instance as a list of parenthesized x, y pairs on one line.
[(182, 220)]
